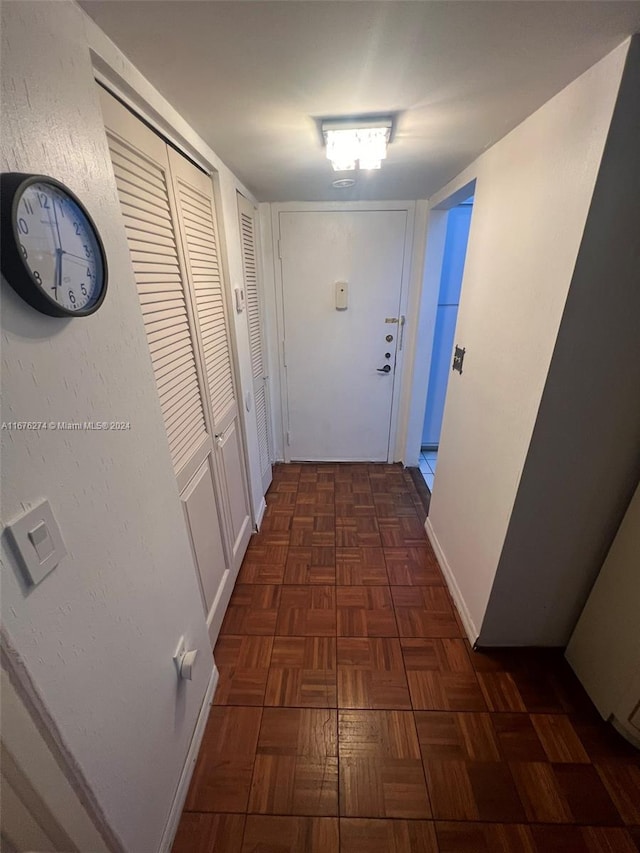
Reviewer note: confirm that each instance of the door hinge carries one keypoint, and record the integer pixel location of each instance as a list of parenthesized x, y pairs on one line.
[(288, 438), (284, 354), (280, 249), (402, 321)]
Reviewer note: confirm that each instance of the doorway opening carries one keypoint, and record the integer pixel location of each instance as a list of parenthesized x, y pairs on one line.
[(456, 236)]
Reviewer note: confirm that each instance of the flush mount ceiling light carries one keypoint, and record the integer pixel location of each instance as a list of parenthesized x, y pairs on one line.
[(343, 183), (357, 143)]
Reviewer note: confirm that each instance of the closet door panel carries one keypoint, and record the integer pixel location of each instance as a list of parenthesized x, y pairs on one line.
[(206, 538), (193, 192), (248, 237)]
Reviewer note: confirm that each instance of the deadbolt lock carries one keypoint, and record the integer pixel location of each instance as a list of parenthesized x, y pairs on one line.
[(389, 338), (387, 355)]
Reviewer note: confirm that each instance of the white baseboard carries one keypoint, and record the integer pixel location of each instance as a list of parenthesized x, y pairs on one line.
[(454, 589), (219, 607), (261, 512), (187, 771)]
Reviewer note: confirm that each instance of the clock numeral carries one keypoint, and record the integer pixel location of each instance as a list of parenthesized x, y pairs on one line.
[(61, 206), (44, 201), (89, 273), (87, 250), (72, 298), (22, 225), (37, 277), (83, 289), (77, 227), (25, 254), (28, 207)]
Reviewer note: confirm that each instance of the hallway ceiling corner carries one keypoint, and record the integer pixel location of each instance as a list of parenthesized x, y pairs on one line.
[(252, 77)]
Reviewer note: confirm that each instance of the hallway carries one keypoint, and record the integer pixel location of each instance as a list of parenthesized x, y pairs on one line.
[(351, 714)]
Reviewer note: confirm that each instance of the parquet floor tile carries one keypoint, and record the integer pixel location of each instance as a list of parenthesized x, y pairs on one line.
[(424, 611), (485, 838), (371, 674), (296, 764), (303, 672), (253, 609), (473, 790), (222, 776), (307, 610), (361, 835), (440, 675), (243, 667), (413, 566), (564, 793), (361, 567), (365, 611), (353, 716), (380, 769), (266, 834), (313, 565), (204, 832), (586, 839)]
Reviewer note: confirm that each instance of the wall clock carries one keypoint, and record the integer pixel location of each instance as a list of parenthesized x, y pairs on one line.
[(52, 254)]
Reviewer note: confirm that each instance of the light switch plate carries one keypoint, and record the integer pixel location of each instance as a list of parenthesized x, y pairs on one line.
[(37, 542)]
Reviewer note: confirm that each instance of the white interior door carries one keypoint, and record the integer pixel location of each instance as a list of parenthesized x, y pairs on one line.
[(248, 237), (339, 366), (195, 206)]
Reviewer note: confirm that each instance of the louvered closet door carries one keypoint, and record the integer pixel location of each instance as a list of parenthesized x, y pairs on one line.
[(142, 172), (248, 237), (198, 227)]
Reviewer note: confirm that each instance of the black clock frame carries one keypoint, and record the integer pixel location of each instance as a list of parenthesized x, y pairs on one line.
[(14, 267)]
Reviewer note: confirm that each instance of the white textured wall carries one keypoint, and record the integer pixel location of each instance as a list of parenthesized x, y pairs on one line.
[(97, 635), (533, 192)]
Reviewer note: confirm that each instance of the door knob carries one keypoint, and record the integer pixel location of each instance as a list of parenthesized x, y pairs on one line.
[(385, 369)]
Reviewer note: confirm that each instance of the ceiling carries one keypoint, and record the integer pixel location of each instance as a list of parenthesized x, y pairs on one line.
[(252, 77)]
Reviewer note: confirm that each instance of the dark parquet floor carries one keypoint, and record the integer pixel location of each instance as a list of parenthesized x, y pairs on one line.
[(352, 715)]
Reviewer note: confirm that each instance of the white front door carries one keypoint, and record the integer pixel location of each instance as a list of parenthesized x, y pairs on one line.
[(340, 362)]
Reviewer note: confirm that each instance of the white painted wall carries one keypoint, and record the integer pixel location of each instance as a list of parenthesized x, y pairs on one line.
[(96, 636), (121, 75), (583, 461), (604, 649), (532, 197)]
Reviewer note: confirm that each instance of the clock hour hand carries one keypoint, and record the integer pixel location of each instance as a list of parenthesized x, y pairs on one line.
[(58, 272)]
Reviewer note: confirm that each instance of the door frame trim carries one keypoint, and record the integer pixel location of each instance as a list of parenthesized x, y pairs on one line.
[(408, 207)]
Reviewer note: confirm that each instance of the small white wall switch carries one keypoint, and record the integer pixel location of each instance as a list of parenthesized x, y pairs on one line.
[(342, 295), (37, 541)]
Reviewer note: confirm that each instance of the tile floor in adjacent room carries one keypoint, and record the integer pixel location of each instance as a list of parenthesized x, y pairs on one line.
[(352, 716), (427, 464)]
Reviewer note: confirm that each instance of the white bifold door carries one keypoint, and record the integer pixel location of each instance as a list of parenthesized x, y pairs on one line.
[(170, 220), (249, 241)]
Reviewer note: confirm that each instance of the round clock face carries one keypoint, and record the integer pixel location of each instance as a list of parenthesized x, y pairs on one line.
[(56, 243)]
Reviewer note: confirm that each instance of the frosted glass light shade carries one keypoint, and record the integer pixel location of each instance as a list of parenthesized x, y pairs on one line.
[(364, 146)]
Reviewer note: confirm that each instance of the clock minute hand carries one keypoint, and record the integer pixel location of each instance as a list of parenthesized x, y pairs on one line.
[(55, 222), (71, 255)]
